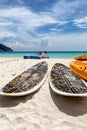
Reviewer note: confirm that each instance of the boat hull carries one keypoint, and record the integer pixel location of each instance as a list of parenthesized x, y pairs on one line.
[(79, 68)]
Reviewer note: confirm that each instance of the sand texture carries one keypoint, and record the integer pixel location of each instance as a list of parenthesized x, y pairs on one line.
[(42, 110)]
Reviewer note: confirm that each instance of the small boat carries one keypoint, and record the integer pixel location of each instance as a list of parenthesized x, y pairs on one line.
[(43, 55), (32, 57), (79, 68), (81, 57)]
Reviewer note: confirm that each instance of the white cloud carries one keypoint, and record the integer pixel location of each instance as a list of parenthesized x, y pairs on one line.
[(60, 23), (69, 42), (56, 30), (23, 20), (6, 23), (25, 16), (30, 45), (4, 34), (26, 20), (64, 9), (21, 23), (81, 23), (16, 44)]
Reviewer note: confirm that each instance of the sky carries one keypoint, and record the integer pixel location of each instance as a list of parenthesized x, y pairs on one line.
[(44, 25)]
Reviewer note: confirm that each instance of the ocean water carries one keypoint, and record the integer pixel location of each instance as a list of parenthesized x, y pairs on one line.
[(52, 54)]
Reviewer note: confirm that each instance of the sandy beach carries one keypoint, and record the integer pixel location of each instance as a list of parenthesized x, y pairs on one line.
[(42, 110)]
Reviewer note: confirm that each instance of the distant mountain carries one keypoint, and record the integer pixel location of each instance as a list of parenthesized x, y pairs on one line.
[(4, 48)]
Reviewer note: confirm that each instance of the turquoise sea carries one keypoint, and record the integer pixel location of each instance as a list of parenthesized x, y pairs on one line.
[(51, 54)]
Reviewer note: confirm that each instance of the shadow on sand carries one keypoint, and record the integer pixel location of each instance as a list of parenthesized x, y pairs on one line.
[(11, 101), (74, 106)]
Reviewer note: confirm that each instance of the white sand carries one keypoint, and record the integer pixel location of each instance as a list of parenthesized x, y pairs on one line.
[(43, 110)]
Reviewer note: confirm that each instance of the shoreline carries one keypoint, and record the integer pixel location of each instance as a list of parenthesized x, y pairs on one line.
[(43, 109), (50, 54)]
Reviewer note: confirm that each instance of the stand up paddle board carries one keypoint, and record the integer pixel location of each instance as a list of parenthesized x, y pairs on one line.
[(64, 82), (27, 82)]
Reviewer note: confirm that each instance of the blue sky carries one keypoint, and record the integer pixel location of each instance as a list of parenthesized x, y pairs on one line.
[(49, 25)]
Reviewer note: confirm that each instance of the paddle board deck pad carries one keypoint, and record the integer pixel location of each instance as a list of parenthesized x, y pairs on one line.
[(64, 82), (27, 82)]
